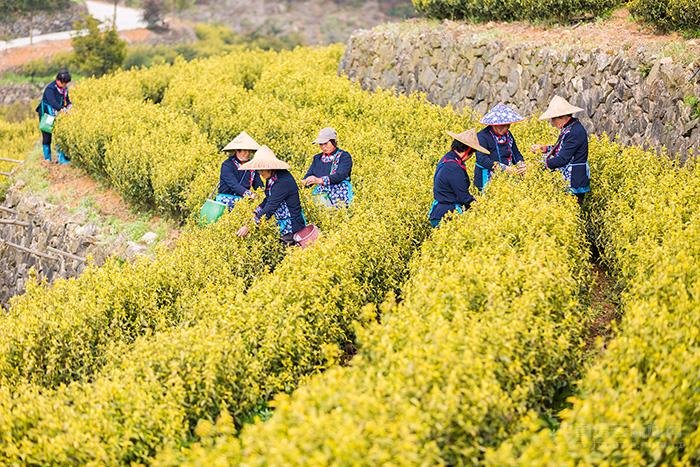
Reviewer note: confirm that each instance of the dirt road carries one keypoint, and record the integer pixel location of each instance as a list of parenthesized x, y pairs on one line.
[(17, 57)]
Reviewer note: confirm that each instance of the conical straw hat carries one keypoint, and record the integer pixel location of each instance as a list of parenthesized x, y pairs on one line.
[(558, 108), (469, 138), (242, 141), (265, 159)]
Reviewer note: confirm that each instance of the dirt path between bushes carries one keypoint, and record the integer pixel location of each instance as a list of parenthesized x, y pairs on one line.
[(74, 190), (77, 184)]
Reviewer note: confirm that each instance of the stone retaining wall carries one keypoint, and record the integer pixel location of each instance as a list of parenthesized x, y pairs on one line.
[(43, 23), (21, 93), (36, 234), (643, 98)]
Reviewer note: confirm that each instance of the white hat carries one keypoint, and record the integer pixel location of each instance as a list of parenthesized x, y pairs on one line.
[(558, 108), (469, 138), (242, 141), (325, 136), (265, 159)]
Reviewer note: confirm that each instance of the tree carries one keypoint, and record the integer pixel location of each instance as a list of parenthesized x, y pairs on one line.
[(98, 53), (153, 11)]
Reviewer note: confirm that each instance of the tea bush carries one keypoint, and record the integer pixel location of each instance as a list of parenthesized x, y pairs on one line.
[(300, 320), (65, 332), (16, 140), (639, 403), (131, 362), (673, 15), (474, 345), (511, 10)]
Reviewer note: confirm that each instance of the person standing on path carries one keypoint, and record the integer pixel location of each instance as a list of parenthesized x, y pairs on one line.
[(54, 101)]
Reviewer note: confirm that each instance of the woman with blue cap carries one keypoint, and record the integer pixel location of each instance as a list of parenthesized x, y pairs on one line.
[(451, 180), (330, 171), (503, 151)]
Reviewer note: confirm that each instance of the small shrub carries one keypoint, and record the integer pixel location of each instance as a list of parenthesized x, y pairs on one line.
[(98, 53)]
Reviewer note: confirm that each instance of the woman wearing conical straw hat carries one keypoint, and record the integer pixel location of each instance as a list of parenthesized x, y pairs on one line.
[(497, 138), (281, 195), (451, 181), (569, 154), (235, 184)]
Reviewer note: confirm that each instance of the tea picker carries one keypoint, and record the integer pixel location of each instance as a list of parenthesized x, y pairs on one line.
[(54, 101), (451, 181), (281, 200), (234, 184), (503, 152), (330, 172), (569, 154)]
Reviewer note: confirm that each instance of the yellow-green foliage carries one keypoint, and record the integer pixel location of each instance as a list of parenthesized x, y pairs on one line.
[(58, 334), (510, 10), (167, 159), (16, 140), (297, 321), (668, 15), (67, 332), (638, 405), (476, 344), (490, 327), (151, 153)]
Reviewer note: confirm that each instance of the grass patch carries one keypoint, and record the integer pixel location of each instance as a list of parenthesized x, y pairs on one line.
[(694, 103), (679, 52), (14, 77)]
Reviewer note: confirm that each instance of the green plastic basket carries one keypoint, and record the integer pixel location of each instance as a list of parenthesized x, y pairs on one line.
[(211, 212), (322, 199), (46, 123)]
